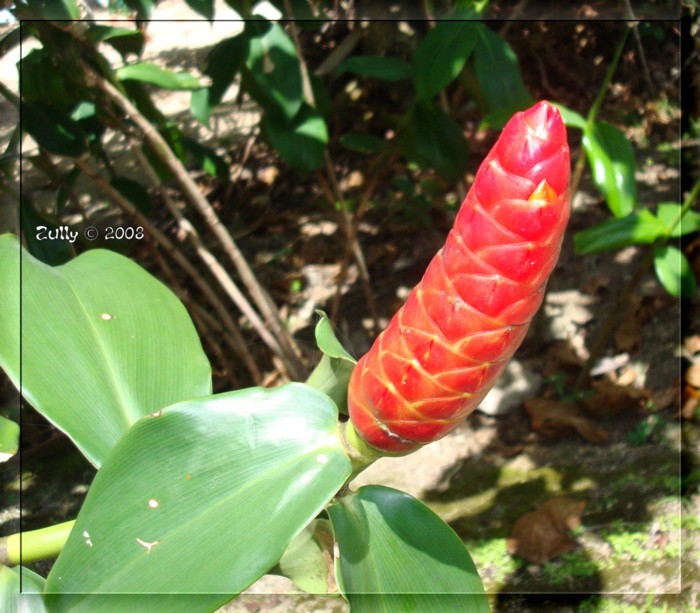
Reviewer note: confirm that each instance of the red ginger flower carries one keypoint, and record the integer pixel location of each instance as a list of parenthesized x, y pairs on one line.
[(445, 348)]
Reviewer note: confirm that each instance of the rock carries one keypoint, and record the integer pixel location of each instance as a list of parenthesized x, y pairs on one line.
[(514, 385)]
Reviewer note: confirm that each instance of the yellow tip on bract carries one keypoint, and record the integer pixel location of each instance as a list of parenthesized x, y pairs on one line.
[(543, 192)]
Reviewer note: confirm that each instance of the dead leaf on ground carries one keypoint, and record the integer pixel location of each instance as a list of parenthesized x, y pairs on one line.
[(557, 417), (612, 399), (629, 332), (543, 534)]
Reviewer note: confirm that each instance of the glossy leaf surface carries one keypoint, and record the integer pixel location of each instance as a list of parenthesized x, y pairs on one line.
[(204, 497), (397, 555), (634, 229), (674, 271), (96, 356), (145, 72), (611, 158), (442, 54)]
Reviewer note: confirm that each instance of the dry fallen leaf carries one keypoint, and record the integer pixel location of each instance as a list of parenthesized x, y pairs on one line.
[(612, 399), (544, 534), (556, 417)]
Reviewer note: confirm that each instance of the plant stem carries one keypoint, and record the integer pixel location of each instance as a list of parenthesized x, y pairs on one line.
[(166, 244), (603, 336), (34, 545), (261, 298)]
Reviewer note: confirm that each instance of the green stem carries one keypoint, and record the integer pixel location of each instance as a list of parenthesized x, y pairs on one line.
[(593, 112), (689, 202), (34, 545)]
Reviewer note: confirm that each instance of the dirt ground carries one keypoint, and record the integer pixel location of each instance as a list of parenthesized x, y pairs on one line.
[(638, 543)]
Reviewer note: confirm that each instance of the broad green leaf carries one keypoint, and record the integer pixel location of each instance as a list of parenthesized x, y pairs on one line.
[(439, 140), (669, 213), (124, 40), (308, 561), (53, 130), (9, 438), (611, 157), (674, 272), (273, 69), (397, 555), (571, 118), (134, 192), (498, 71), (301, 142), (442, 55), (202, 497), (223, 62), (332, 374), (204, 7), (102, 343), (384, 68), (145, 72), (362, 143), (637, 228)]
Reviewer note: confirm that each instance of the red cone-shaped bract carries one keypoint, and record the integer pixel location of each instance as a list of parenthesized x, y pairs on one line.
[(446, 346)]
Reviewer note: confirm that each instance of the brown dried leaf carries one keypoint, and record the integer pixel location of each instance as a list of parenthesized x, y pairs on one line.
[(629, 332), (556, 417), (612, 399), (544, 534)]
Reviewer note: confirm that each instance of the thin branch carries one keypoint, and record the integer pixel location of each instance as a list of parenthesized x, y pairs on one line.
[(194, 196), (353, 247), (167, 245)]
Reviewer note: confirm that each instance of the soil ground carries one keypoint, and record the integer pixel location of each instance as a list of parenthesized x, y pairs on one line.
[(638, 545)]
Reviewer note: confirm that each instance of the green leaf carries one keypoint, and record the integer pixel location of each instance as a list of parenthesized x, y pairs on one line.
[(571, 118), (669, 213), (134, 192), (11, 600), (207, 159), (306, 560), (397, 555), (203, 497), (674, 272), (103, 343), (439, 140), (638, 228), (9, 438), (223, 62), (384, 68), (145, 72), (273, 68), (362, 143), (124, 40), (204, 7), (332, 374), (53, 130), (611, 157), (498, 71), (301, 142), (442, 55)]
